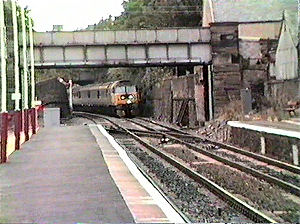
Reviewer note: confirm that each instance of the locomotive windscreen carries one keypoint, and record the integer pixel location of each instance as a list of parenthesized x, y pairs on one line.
[(130, 89), (125, 89)]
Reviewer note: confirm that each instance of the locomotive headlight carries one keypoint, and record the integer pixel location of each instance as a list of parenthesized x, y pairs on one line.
[(129, 101), (123, 97), (130, 97)]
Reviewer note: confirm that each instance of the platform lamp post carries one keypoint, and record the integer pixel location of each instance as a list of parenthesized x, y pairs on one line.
[(70, 95), (68, 85)]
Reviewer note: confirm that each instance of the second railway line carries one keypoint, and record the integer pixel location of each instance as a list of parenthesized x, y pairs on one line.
[(284, 175), (277, 206)]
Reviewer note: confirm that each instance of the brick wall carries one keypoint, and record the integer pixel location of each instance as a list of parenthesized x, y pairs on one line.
[(226, 64)]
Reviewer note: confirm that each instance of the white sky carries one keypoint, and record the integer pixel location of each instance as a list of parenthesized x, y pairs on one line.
[(72, 14)]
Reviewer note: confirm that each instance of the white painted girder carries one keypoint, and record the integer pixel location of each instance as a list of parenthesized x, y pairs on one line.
[(178, 35), (123, 54), (131, 47)]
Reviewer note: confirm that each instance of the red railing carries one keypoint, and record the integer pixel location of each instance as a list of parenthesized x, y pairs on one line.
[(17, 127)]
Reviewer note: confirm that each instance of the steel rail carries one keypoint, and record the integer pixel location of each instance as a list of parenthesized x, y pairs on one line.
[(236, 203), (283, 165), (183, 216), (233, 201), (287, 186), (153, 183)]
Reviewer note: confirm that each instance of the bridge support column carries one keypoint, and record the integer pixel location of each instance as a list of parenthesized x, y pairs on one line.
[(32, 75), (13, 82), (2, 59), (24, 75)]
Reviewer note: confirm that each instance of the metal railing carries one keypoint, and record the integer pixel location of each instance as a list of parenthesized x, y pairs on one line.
[(14, 127)]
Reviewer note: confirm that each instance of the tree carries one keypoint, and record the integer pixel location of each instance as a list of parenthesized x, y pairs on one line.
[(139, 14), (27, 17)]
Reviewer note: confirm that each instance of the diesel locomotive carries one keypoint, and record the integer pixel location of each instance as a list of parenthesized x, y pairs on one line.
[(120, 98)]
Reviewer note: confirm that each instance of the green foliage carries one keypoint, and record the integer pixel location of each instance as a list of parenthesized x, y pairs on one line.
[(139, 14), (27, 17)]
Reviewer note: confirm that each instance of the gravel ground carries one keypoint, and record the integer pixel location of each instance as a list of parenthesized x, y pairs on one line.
[(75, 121), (192, 198), (177, 150), (261, 195), (190, 157), (287, 176), (257, 193)]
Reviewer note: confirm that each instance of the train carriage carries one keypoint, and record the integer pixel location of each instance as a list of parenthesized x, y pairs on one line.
[(119, 98)]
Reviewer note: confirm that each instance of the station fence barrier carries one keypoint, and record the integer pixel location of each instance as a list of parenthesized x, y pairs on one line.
[(17, 127)]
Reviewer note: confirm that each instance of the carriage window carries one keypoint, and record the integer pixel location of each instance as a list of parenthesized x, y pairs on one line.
[(98, 94), (89, 94), (79, 94)]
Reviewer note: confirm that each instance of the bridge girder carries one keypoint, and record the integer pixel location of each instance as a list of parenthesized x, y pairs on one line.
[(134, 48)]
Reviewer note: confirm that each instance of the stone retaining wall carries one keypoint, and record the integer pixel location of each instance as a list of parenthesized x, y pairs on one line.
[(277, 147)]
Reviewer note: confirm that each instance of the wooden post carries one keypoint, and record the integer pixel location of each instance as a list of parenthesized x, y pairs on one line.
[(26, 125), (295, 155), (18, 128), (210, 94), (34, 120), (263, 145)]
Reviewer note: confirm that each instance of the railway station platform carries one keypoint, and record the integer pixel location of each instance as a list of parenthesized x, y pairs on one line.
[(77, 175), (279, 140)]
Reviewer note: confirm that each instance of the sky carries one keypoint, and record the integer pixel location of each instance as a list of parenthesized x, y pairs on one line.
[(72, 14)]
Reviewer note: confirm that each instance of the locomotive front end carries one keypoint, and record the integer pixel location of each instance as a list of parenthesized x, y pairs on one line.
[(127, 100)]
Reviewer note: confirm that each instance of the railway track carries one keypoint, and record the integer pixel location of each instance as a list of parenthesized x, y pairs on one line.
[(229, 161), (286, 166), (92, 117), (233, 201)]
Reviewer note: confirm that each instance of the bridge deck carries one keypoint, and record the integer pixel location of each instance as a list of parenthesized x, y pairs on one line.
[(60, 176), (160, 47)]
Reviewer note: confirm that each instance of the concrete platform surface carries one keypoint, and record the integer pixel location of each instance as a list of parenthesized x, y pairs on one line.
[(143, 200), (60, 176), (288, 129)]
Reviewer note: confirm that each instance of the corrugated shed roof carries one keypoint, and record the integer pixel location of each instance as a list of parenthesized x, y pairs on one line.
[(257, 10)]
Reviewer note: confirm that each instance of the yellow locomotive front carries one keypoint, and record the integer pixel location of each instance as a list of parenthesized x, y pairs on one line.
[(126, 98)]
